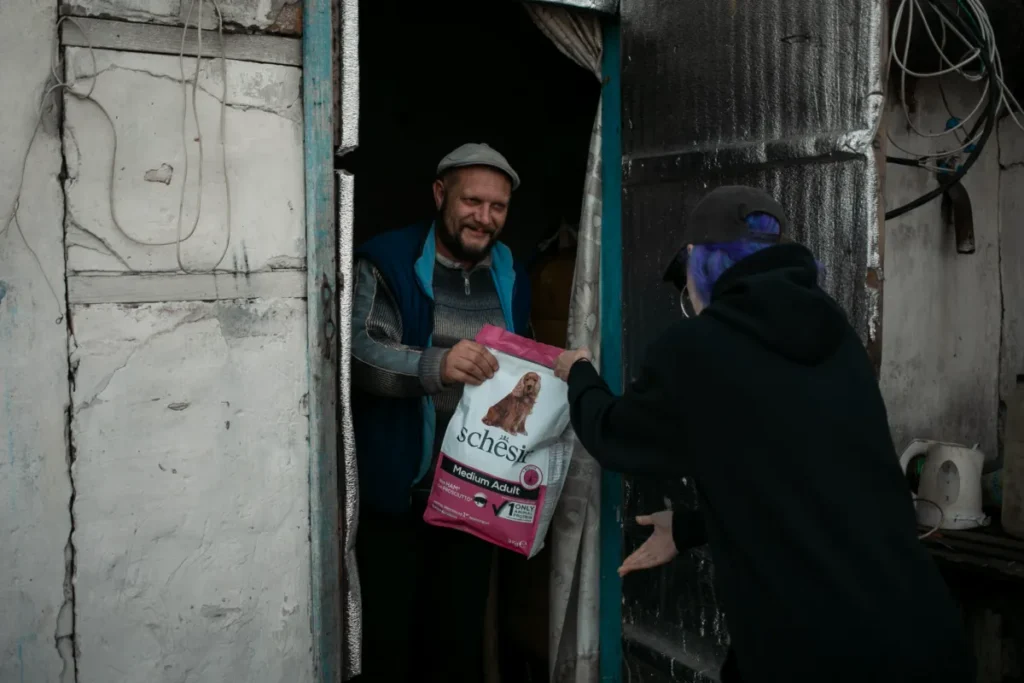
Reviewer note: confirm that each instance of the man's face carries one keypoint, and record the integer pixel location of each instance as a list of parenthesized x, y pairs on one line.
[(472, 204)]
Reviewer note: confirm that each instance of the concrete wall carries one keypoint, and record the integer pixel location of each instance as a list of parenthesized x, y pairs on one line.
[(154, 464), (35, 490), (953, 324), (191, 469), (1011, 239)]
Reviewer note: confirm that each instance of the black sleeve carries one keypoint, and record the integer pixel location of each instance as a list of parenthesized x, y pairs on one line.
[(688, 530), (636, 433)]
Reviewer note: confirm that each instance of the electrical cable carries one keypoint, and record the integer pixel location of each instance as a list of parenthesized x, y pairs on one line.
[(987, 33), (940, 47), (938, 525), (922, 157), (194, 81), (983, 37), (55, 83), (979, 16), (905, 70), (903, 162), (12, 219), (947, 106), (223, 124), (988, 119)]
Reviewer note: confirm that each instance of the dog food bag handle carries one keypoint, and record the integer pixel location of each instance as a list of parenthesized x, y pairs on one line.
[(507, 342)]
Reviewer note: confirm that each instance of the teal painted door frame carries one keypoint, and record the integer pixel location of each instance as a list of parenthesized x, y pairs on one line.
[(611, 346), (322, 343)]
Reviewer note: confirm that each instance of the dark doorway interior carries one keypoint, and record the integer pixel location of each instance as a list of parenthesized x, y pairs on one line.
[(433, 76), (437, 74)]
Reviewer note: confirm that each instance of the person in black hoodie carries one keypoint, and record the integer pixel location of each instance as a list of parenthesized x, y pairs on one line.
[(766, 397)]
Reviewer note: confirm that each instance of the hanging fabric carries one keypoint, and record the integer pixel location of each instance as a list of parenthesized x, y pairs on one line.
[(575, 532)]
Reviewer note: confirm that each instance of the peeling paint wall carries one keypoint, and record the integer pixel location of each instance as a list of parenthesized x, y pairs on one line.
[(35, 490), (273, 16), (953, 327)]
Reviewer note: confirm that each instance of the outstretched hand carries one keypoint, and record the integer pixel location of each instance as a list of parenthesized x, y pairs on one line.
[(567, 359), (656, 550)]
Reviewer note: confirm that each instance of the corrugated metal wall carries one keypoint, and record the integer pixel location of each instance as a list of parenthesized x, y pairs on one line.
[(781, 94)]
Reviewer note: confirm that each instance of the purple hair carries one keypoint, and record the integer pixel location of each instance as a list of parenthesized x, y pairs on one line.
[(707, 262)]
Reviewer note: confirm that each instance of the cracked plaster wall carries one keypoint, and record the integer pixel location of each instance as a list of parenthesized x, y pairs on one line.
[(143, 94), (271, 16), (189, 559), (953, 324), (190, 426), (35, 490)]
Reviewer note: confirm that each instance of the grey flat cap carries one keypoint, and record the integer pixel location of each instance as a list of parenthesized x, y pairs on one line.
[(478, 154)]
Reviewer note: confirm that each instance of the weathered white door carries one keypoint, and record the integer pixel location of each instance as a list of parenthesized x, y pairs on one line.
[(186, 238)]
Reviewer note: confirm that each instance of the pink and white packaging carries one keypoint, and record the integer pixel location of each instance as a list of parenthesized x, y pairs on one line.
[(507, 449)]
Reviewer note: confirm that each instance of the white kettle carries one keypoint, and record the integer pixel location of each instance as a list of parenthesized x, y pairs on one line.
[(949, 494)]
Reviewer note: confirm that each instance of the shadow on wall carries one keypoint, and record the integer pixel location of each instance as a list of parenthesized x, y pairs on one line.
[(436, 75)]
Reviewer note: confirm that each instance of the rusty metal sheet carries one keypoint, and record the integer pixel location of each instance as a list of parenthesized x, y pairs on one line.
[(780, 94)]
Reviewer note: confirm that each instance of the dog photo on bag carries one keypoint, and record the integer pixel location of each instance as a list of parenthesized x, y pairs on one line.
[(510, 413)]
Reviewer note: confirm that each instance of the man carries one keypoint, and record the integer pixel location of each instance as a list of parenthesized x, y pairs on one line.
[(422, 294)]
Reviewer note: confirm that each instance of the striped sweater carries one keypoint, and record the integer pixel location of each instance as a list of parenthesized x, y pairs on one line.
[(464, 301)]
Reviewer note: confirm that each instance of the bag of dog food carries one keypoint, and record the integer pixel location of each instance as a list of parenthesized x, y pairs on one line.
[(507, 449)]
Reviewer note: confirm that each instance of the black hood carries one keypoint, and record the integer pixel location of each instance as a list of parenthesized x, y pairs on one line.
[(774, 297)]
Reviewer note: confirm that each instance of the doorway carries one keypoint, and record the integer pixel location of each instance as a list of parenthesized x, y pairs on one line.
[(437, 75)]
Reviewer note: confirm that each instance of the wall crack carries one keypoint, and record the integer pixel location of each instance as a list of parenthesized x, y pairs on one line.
[(276, 111), (107, 249), (131, 354), (65, 637), (145, 72), (282, 111)]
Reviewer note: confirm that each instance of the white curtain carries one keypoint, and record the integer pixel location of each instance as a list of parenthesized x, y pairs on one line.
[(575, 530)]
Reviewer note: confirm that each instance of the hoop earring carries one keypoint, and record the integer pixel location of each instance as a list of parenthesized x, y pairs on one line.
[(683, 297)]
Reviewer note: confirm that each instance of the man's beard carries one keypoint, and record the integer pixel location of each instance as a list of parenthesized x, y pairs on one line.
[(455, 246)]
